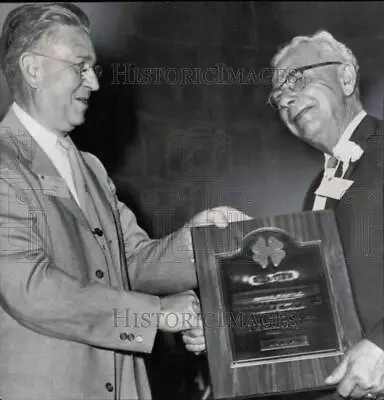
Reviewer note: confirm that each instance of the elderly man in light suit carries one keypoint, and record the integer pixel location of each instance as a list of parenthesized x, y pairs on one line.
[(79, 279)]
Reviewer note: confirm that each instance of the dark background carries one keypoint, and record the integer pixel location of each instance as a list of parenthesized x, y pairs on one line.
[(174, 148)]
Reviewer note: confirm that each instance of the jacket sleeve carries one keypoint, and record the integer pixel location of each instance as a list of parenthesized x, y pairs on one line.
[(160, 266), (41, 296)]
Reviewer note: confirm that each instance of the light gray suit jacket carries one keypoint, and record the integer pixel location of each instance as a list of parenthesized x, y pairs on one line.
[(67, 310)]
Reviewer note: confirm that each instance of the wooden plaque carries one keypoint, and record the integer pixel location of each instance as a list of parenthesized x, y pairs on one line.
[(277, 306)]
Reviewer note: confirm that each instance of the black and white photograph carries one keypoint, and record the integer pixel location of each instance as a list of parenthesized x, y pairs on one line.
[(191, 200)]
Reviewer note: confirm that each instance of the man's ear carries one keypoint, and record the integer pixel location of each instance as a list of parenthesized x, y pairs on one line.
[(31, 69), (347, 75)]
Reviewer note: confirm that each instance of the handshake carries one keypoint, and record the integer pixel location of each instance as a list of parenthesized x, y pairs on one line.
[(181, 313)]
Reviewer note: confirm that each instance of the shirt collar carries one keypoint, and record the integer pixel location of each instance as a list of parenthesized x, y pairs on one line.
[(44, 138), (347, 134)]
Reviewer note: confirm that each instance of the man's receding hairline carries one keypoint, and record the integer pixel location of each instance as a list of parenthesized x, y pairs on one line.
[(52, 37), (320, 50)]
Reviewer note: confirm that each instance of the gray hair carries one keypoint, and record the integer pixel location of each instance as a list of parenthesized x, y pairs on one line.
[(26, 25), (325, 42)]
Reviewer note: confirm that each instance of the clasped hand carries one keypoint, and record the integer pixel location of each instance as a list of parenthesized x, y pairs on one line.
[(181, 313)]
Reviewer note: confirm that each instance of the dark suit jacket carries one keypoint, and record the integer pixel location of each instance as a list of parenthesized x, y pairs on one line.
[(359, 216)]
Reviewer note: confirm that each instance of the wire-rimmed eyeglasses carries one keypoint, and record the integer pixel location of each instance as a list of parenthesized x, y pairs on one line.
[(82, 67), (295, 81)]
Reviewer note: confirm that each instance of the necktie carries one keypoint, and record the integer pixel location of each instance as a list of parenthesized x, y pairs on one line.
[(332, 162), (333, 168), (336, 166), (73, 157)]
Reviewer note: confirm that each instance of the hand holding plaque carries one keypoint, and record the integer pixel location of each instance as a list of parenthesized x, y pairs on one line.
[(276, 301), (361, 373)]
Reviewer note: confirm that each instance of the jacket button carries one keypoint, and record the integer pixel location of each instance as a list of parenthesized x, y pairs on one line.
[(127, 336), (139, 338), (98, 232), (109, 387), (99, 274)]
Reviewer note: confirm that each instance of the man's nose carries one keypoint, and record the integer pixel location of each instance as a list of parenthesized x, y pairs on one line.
[(91, 80), (287, 99)]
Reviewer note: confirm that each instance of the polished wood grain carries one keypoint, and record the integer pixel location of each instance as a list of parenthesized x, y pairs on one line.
[(230, 380)]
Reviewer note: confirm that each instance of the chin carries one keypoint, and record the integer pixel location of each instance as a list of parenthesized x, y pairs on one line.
[(77, 120), (313, 132), (315, 140), (71, 125)]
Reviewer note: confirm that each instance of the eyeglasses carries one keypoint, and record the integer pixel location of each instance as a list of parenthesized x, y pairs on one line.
[(295, 81), (82, 67)]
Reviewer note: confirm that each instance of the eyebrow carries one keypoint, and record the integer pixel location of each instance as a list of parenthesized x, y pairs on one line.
[(308, 67), (289, 74), (84, 58)]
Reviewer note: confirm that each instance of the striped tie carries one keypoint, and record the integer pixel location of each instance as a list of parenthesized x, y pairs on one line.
[(333, 164)]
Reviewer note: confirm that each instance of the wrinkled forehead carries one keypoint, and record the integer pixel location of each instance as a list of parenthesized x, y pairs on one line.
[(300, 56), (70, 42)]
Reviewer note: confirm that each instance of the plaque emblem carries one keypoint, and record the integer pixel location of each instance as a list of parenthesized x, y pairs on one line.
[(273, 250)]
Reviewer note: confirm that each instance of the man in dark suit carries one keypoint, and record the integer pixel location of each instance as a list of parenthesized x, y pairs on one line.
[(315, 90), (80, 281)]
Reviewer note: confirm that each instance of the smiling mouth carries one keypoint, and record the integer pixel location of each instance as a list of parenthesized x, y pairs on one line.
[(299, 115), (83, 100)]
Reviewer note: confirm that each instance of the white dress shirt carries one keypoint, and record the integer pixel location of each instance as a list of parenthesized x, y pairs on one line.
[(48, 141), (320, 201)]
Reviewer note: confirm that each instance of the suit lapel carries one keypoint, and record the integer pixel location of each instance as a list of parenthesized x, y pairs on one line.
[(365, 129), (309, 198), (17, 138), (100, 197), (42, 165)]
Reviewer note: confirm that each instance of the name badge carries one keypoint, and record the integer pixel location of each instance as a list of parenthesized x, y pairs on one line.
[(54, 186), (333, 187)]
